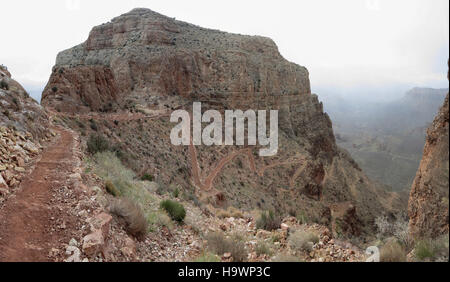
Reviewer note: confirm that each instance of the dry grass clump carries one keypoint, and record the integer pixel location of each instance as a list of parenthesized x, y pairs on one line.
[(268, 221), (303, 240), (132, 214), (219, 244), (230, 212), (262, 248), (112, 189), (392, 252)]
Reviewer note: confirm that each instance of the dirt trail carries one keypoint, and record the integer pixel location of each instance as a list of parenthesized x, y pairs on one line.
[(27, 220)]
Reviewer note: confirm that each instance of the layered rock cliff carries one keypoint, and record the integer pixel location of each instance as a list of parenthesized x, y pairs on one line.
[(133, 71), (428, 204)]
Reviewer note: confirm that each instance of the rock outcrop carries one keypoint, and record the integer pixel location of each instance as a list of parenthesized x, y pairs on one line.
[(142, 65), (23, 128), (428, 204)]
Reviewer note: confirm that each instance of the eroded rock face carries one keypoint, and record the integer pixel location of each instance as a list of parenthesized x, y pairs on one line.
[(24, 126), (148, 63), (428, 204)]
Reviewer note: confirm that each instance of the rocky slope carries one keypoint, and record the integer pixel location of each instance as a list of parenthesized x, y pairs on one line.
[(428, 204), (23, 131), (124, 81)]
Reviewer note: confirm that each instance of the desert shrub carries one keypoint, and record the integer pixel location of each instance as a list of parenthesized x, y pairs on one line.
[(268, 221), (97, 143), (176, 192), (424, 249), (207, 257), (392, 252), (301, 217), (175, 210), (397, 229), (93, 125), (54, 89), (112, 189), (286, 258), (303, 240), (220, 245), (136, 223), (436, 249), (4, 85), (147, 177), (263, 248)]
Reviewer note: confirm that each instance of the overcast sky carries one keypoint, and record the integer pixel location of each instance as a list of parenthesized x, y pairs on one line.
[(362, 47)]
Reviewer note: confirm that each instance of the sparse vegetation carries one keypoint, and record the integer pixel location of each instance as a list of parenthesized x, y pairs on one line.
[(54, 89), (301, 217), (424, 250), (392, 252), (268, 221), (436, 249), (285, 258), (263, 248), (303, 240), (97, 144), (175, 210), (397, 229), (108, 166), (207, 257), (219, 244), (136, 223), (230, 212)]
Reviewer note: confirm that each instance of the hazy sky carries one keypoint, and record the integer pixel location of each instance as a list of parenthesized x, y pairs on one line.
[(349, 46)]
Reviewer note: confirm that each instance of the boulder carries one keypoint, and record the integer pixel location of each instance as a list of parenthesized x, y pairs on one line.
[(94, 243)]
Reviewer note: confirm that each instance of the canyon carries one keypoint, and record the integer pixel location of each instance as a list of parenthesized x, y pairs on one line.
[(101, 139)]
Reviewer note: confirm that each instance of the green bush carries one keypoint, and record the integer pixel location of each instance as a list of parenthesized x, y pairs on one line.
[(97, 143), (147, 177), (268, 221), (176, 192), (4, 85), (175, 210), (424, 249)]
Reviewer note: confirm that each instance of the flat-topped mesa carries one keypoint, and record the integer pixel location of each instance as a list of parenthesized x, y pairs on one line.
[(147, 54), (146, 62)]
